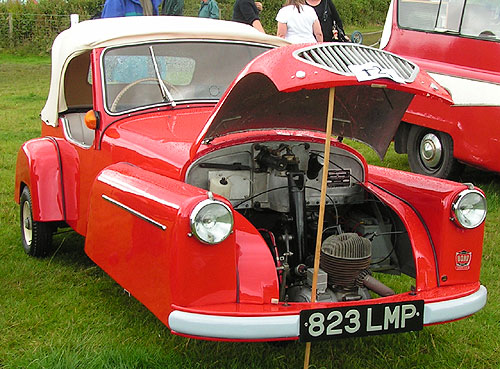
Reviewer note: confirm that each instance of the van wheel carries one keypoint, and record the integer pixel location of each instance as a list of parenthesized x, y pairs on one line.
[(430, 152), (36, 236)]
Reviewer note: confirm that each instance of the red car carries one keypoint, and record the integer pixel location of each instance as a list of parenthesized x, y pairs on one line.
[(458, 44), (190, 153)]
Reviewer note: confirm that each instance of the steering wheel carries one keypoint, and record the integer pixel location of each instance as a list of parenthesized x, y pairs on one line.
[(124, 90)]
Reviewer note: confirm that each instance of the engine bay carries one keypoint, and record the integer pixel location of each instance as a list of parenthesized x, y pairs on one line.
[(276, 185)]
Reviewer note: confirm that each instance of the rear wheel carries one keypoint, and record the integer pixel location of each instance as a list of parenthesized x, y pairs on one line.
[(36, 236), (430, 152)]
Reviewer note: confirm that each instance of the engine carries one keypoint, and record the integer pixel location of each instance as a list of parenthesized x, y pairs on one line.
[(277, 187)]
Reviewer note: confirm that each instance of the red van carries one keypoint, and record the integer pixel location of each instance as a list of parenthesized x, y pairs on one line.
[(458, 43)]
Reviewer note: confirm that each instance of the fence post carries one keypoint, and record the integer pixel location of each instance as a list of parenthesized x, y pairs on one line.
[(74, 19), (11, 29)]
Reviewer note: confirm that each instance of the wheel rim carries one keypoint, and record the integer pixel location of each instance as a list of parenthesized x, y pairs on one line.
[(357, 37), (27, 223), (431, 151)]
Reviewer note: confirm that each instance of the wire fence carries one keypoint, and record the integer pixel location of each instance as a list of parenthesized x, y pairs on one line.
[(33, 32)]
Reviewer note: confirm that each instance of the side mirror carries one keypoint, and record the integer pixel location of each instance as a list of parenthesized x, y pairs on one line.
[(92, 119)]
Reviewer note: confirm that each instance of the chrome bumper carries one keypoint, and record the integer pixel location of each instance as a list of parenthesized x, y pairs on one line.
[(287, 326)]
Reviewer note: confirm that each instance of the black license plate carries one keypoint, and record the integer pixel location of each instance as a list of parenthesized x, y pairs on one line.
[(362, 320)]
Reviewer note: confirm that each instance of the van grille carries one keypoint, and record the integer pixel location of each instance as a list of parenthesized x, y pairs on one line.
[(337, 58)]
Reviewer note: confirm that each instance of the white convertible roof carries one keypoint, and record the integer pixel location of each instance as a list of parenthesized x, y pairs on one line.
[(98, 33)]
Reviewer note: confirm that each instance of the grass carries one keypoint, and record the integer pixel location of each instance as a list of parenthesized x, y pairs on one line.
[(65, 312)]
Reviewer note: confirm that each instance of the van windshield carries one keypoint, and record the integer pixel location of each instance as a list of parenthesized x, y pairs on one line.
[(469, 18)]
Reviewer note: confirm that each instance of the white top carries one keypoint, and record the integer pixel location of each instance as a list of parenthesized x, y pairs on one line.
[(129, 30), (299, 26)]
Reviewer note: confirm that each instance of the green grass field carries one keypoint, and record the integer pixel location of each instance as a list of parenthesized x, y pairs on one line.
[(64, 312)]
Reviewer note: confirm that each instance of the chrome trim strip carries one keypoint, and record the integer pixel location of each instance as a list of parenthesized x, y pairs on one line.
[(135, 212), (287, 326)]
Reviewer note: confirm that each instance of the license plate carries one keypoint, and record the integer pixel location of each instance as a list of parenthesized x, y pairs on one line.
[(362, 320)]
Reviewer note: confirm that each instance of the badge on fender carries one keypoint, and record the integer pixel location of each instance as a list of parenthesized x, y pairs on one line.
[(462, 260)]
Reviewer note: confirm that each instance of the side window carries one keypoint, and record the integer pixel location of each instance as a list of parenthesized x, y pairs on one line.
[(418, 15), (482, 19), (450, 15), (471, 18)]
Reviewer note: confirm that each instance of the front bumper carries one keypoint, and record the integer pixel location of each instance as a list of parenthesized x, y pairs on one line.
[(283, 327)]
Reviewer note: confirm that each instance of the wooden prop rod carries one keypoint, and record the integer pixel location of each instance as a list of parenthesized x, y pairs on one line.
[(321, 217)]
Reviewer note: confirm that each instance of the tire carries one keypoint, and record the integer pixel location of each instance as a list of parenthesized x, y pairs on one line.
[(357, 37), (430, 152), (36, 236)]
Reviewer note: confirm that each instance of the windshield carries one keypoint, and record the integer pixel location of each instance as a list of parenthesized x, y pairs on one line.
[(471, 18), (151, 74)]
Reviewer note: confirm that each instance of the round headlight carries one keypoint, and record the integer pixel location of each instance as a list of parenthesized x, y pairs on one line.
[(469, 208), (211, 221)]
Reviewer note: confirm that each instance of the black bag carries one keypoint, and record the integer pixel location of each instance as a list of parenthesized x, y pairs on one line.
[(340, 33), (341, 37)]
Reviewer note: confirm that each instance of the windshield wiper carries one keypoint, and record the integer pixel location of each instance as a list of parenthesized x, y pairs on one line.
[(165, 93)]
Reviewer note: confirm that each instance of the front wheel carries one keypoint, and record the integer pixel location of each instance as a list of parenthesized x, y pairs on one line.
[(36, 236), (430, 152)]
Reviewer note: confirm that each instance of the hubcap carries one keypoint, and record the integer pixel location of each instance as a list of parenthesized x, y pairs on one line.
[(27, 223), (430, 150)]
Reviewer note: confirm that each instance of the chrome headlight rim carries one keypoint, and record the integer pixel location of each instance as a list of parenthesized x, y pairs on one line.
[(455, 209), (194, 221)]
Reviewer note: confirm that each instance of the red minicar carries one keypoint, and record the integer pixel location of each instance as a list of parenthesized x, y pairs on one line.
[(196, 166)]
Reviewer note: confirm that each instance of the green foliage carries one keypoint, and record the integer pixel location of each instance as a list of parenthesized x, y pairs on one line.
[(29, 28), (362, 12)]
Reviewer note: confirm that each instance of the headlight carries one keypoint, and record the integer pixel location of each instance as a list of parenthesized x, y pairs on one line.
[(211, 221), (469, 209)]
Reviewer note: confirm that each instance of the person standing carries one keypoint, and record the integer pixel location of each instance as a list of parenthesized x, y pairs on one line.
[(246, 11), (329, 20), (126, 8), (209, 9), (172, 7), (298, 23)]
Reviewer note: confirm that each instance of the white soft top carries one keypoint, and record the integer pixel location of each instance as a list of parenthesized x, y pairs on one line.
[(98, 33)]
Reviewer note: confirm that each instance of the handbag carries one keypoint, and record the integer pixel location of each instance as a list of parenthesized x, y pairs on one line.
[(341, 37)]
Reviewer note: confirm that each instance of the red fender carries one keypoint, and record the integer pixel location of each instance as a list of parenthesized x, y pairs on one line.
[(53, 191), (433, 198), (139, 233)]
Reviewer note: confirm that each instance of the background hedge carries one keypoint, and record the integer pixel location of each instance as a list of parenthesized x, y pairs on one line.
[(27, 28)]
